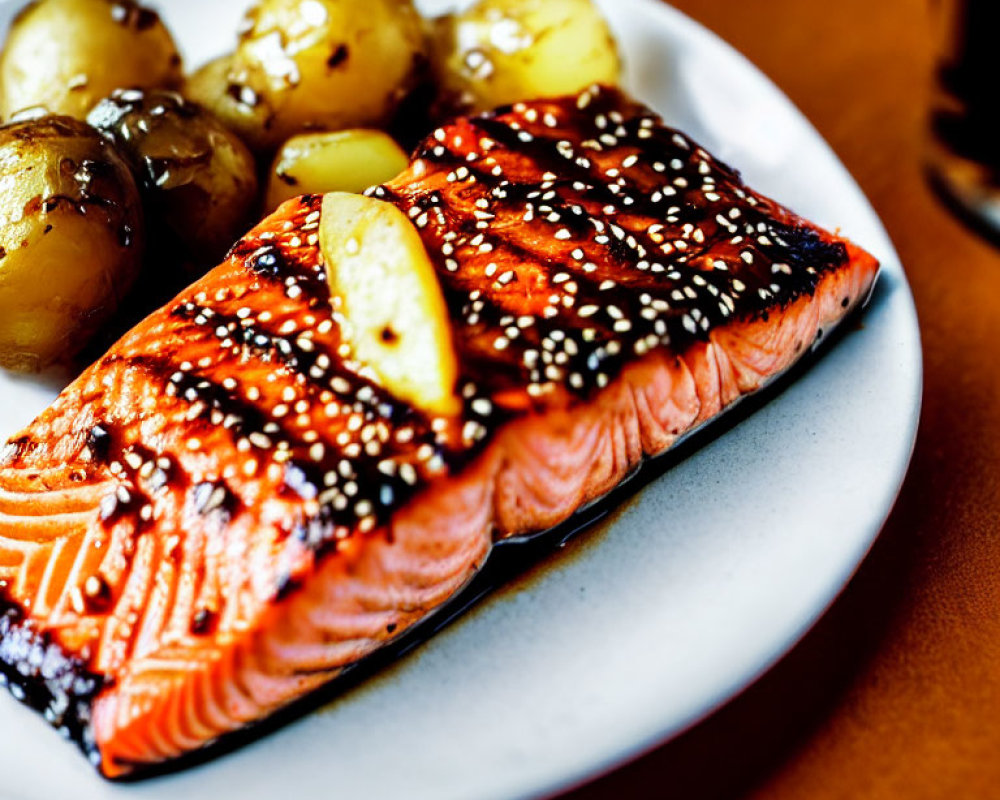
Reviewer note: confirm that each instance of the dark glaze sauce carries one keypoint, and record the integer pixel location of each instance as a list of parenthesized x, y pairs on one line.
[(634, 238), (39, 673)]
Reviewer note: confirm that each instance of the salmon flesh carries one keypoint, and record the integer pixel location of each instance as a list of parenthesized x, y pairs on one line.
[(227, 510)]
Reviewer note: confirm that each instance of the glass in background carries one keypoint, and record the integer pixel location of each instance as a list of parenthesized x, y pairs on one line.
[(964, 157)]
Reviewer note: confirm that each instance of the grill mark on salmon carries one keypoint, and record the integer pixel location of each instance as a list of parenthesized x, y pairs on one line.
[(227, 510)]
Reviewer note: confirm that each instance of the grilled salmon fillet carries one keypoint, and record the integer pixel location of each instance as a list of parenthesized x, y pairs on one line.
[(227, 509)]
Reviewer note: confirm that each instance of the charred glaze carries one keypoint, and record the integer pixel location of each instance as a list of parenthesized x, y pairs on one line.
[(99, 443), (634, 239), (39, 673)]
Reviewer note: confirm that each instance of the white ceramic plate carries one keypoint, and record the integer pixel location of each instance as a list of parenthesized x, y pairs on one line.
[(647, 623)]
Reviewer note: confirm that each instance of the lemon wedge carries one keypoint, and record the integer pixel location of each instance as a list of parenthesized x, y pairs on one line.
[(396, 317)]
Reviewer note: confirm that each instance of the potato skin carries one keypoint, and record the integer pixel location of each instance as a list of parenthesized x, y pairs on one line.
[(70, 238), (341, 161), (65, 55), (197, 176), (499, 52), (319, 65), (236, 96)]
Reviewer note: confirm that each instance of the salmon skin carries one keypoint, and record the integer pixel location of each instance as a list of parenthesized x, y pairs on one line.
[(227, 510)]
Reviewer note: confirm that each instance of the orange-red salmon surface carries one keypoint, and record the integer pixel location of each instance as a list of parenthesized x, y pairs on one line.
[(227, 509)]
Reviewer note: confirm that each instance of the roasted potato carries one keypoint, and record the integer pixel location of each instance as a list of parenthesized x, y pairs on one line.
[(70, 238), (502, 51), (313, 65), (343, 161), (197, 176), (65, 55), (236, 96)]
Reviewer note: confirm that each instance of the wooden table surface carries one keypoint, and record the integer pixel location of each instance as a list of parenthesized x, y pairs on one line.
[(896, 693)]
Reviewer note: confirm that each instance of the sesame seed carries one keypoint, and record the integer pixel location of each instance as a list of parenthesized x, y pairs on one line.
[(260, 440), (482, 406), (408, 474)]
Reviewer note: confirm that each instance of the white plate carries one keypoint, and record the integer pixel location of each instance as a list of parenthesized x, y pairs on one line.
[(649, 622)]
